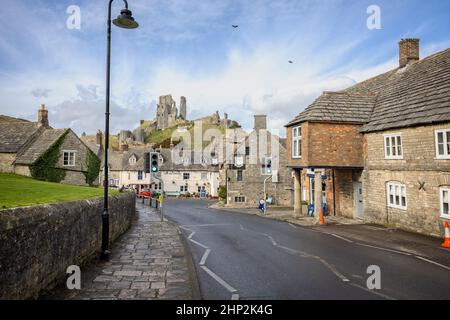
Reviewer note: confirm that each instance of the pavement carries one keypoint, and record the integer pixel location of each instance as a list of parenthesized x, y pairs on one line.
[(148, 262), (285, 214), (244, 256)]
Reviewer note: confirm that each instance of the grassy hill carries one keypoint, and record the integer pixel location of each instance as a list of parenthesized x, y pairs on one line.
[(19, 191)]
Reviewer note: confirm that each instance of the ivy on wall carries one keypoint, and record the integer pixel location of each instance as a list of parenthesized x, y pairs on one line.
[(45, 167), (93, 167)]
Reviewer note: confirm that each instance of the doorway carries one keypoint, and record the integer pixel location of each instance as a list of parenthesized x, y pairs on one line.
[(359, 204)]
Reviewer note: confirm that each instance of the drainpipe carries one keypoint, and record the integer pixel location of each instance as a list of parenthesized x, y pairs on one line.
[(334, 198)]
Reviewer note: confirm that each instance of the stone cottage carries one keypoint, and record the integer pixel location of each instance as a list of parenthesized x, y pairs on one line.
[(28, 148), (257, 157), (382, 146), (184, 176), (127, 169)]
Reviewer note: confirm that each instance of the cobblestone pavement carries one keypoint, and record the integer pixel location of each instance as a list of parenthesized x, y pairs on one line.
[(147, 262)]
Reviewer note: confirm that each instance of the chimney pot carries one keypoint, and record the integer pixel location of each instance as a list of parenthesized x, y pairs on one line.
[(43, 116), (408, 51), (99, 138)]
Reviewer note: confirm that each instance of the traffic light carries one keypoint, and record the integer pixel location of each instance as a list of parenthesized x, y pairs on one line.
[(154, 162), (267, 165)]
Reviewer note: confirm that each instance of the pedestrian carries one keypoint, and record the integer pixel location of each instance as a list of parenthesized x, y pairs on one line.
[(261, 205)]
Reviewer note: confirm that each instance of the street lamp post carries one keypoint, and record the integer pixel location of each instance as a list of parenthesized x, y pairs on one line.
[(124, 20)]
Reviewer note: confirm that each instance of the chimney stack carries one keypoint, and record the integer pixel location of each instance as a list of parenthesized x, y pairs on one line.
[(99, 138), (408, 51), (43, 116), (260, 122)]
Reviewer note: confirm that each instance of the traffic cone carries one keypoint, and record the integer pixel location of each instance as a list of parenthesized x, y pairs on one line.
[(321, 219), (446, 243)]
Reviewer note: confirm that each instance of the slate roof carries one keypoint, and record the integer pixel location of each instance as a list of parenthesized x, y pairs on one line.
[(338, 107), (39, 145), (414, 95), (119, 160), (15, 134), (91, 143)]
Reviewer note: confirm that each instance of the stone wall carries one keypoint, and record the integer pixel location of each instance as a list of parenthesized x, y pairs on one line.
[(422, 214), (74, 177), (22, 170), (419, 164), (6, 160), (38, 243)]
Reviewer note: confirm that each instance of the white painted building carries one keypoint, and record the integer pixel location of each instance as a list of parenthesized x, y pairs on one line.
[(187, 178)]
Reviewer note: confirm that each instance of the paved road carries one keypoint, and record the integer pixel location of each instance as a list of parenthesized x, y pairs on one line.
[(240, 256)]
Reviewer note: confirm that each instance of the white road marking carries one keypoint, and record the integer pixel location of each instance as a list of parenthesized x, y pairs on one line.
[(205, 256), (273, 241), (333, 269), (219, 280), (202, 262), (373, 291), (433, 262), (293, 226), (199, 244), (384, 249), (205, 225), (342, 238)]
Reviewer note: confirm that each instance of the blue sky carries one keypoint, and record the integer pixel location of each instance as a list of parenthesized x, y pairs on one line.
[(189, 48)]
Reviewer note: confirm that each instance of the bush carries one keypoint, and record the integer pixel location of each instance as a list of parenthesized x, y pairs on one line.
[(222, 192)]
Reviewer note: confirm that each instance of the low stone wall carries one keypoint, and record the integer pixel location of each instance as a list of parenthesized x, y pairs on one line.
[(38, 243)]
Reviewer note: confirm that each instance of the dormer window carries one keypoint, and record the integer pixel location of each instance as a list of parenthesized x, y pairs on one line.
[(132, 160)]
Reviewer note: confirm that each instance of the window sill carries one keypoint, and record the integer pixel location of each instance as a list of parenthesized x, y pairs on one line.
[(399, 208), (445, 216)]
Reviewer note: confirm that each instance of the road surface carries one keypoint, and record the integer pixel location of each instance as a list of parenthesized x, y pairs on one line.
[(241, 256)]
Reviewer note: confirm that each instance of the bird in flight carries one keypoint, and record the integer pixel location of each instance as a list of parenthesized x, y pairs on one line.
[(235, 26), (290, 61)]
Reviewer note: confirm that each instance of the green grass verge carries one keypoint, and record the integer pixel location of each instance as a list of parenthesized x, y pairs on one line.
[(19, 191)]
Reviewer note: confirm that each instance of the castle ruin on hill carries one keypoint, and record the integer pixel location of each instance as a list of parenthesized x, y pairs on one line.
[(167, 112)]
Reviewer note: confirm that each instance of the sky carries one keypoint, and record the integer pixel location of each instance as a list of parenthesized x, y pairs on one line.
[(189, 48)]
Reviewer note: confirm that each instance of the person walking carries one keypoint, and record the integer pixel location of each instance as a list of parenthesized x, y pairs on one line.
[(261, 205)]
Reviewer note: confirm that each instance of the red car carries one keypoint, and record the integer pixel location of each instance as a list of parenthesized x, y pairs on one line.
[(145, 193)]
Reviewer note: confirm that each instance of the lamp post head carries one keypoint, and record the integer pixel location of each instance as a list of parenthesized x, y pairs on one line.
[(126, 20)]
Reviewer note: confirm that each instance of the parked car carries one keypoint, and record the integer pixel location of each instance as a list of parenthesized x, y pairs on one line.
[(145, 193)]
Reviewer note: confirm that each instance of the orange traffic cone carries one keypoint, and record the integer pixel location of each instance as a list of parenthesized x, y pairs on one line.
[(446, 243), (321, 219)]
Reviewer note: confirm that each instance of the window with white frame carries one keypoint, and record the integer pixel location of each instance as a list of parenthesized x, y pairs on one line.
[(140, 173), (204, 175), (396, 195), (186, 176), (184, 188), (393, 146), (239, 199), (132, 160), (296, 142), (69, 158), (445, 202), (443, 144)]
